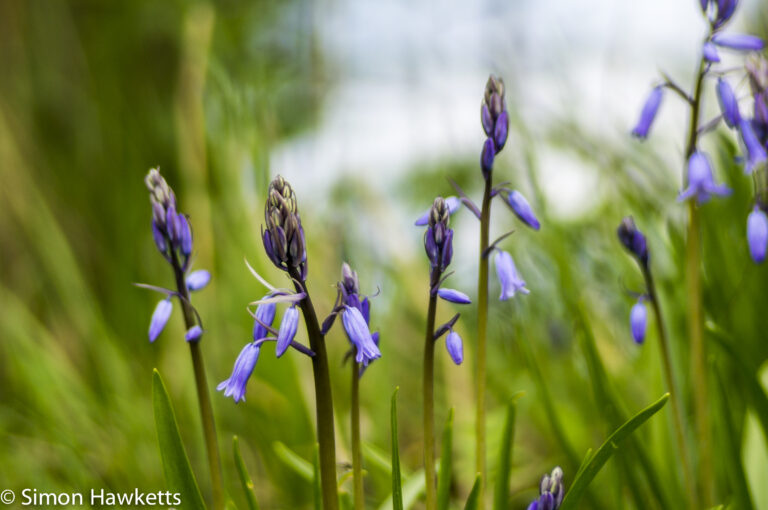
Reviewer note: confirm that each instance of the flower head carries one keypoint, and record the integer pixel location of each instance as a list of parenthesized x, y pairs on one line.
[(701, 184), (283, 236), (495, 121), (522, 209), (648, 114), (170, 229), (638, 320), (757, 234), (438, 240), (551, 492), (359, 335), (633, 239), (246, 361), (510, 279)]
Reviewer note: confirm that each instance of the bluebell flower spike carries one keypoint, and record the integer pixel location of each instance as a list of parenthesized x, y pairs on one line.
[(757, 234), (509, 278), (551, 491), (649, 112), (246, 361), (701, 183), (160, 318)]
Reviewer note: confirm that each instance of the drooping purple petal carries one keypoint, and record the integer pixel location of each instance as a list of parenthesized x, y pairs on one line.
[(739, 42), (197, 280), (756, 153), (265, 316), (246, 361), (193, 334), (160, 318), (287, 331), (757, 234), (510, 280), (638, 319), (710, 52), (455, 347), (359, 335), (729, 106), (648, 114), (454, 296), (522, 209)]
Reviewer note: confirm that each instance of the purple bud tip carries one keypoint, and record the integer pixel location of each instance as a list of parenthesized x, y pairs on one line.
[(710, 52), (638, 319), (487, 156), (198, 279), (647, 116), (510, 280), (455, 347), (729, 106), (739, 42), (287, 331), (246, 361), (522, 209), (757, 234), (159, 318), (454, 296), (193, 334)]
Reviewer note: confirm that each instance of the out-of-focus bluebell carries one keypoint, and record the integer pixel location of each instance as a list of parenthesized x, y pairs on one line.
[(757, 234), (551, 491), (160, 318), (638, 320), (287, 331), (487, 156), (756, 153), (648, 114), (438, 240), (454, 296), (522, 209), (633, 239), (455, 347), (725, 9), (197, 280), (246, 361), (509, 278), (701, 183), (453, 204), (729, 106), (193, 334), (738, 42), (710, 52)]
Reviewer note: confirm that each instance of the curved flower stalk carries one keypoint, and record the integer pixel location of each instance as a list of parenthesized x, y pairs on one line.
[(172, 234), (699, 183), (494, 119), (438, 243)]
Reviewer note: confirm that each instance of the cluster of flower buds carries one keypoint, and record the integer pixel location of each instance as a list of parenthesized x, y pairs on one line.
[(356, 316), (495, 120), (438, 240), (551, 491), (170, 228), (283, 236)]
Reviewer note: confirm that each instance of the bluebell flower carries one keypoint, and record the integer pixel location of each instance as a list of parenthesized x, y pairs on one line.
[(522, 209), (551, 492), (246, 361), (438, 240), (455, 347), (739, 42), (495, 121), (633, 239), (710, 52), (185, 235), (500, 131), (264, 317), (283, 236), (648, 114), (638, 320), (487, 156), (756, 153), (159, 238), (728, 103), (160, 318), (701, 183), (453, 204), (287, 331), (509, 278), (359, 335), (193, 334), (757, 234), (454, 296), (197, 280), (725, 9)]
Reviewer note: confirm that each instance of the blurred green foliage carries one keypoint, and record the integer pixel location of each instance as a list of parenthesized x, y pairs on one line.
[(94, 93)]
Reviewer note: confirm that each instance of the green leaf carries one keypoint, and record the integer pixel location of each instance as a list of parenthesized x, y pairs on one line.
[(317, 487), (444, 479), (474, 494), (412, 489), (178, 472), (598, 460), (501, 493), (397, 484), (242, 472), (294, 461)]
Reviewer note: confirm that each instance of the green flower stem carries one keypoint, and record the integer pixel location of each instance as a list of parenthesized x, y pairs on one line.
[(482, 325), (203, 396), (323, 397), (695, 315), (430, 475), (674, 393), (357, 458)]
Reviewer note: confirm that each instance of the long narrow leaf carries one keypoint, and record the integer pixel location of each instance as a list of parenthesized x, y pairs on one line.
[(178, 472), (501, 495), (412, 490), (397, 484), (446, 464), (474, 494), (245, 478), (598, 460), (294, 461)]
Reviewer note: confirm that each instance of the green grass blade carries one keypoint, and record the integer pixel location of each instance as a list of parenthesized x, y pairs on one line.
[(474, 495), (397, 483), (446, 465), (294, 461), (245, 478), (178, 472), (501, 492), (598, 460)]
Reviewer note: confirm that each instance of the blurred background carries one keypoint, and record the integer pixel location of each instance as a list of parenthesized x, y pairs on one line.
[(366, 108)]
